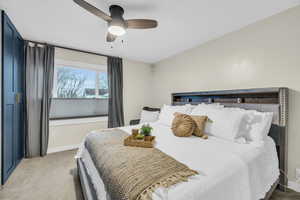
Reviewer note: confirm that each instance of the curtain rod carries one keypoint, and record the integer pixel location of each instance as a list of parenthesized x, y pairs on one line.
[(68, 48)]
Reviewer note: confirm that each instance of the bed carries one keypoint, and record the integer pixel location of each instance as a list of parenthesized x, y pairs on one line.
[(226, 170)]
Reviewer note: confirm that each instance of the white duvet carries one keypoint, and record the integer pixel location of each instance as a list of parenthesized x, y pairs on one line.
[(227, 170)]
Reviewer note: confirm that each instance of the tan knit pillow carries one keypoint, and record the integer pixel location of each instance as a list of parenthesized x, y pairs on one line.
[(200, 125), (183, 125)]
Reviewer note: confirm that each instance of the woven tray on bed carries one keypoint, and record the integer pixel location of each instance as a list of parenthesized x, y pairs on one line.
[(131, 141)]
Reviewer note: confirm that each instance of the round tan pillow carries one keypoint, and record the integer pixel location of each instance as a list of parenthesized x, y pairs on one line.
[(200, 125), (183, 125)]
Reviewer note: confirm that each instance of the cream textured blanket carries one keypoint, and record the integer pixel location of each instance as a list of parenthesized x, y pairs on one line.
[(132, 173)]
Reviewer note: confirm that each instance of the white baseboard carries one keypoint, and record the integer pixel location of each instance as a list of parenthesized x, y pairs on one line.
[(294, 186), (63, 148)]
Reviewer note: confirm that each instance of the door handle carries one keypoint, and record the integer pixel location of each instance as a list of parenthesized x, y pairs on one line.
[(18, 97)]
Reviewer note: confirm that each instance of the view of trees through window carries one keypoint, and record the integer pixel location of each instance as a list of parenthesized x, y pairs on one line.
[(71, 82)]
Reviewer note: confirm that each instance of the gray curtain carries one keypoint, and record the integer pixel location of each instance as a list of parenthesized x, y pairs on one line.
[(39, 82), (115, 87)]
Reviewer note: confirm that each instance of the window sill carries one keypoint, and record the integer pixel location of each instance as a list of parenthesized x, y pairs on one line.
[(77, 121)]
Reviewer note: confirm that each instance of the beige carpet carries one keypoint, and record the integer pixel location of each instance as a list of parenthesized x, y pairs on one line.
[(54, 177), (48, 178)]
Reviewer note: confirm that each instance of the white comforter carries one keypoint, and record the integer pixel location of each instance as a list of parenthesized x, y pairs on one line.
[(227, 170)]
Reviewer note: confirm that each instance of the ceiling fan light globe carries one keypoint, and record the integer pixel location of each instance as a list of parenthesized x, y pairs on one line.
[(116, 30)]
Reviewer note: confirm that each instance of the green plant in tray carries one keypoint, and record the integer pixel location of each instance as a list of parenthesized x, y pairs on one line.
[(146, 130)]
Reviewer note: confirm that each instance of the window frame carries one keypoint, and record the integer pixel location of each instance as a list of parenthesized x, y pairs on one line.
[(80, 65)]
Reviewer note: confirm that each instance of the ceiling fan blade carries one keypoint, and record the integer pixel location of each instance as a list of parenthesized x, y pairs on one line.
[(141, 23), (110, 37), (93, 9)]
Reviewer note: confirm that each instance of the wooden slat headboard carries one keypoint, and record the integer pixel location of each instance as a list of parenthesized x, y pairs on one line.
[(261, 99)]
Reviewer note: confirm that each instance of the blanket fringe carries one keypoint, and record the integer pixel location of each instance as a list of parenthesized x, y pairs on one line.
[(175, 178)]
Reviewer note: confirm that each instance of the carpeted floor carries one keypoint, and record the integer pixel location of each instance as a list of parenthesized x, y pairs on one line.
[(54, 177)]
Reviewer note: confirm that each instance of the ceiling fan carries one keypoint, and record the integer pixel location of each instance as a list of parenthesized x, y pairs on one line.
[(117, 25)]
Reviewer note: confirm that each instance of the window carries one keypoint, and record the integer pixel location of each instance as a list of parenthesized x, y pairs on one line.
[(71, 82), (79, 90)]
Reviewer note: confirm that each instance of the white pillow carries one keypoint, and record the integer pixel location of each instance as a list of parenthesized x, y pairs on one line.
[(166, 115), (224, 123), (149, 116), (215, 105), (259, 126), (197, 110), (255, 126)]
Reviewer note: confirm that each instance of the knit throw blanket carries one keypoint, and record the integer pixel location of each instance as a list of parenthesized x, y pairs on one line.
[(132, 173)]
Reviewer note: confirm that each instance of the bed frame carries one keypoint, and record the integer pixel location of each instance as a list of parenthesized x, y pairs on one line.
[(263, 99), (87, 188)]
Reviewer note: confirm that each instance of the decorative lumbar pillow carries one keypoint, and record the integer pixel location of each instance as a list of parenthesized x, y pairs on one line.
[(183, 125), (200, 122)]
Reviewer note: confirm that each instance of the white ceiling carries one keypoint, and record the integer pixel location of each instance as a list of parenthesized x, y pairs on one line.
[(183, 24)]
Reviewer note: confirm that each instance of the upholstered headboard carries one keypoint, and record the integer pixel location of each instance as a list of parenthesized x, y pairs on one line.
[(261, 99)]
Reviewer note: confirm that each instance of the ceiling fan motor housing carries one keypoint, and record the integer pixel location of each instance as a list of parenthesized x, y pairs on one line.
[(116, 13)]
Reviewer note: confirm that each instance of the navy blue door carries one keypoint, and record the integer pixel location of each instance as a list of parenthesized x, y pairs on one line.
[(13, 100)]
